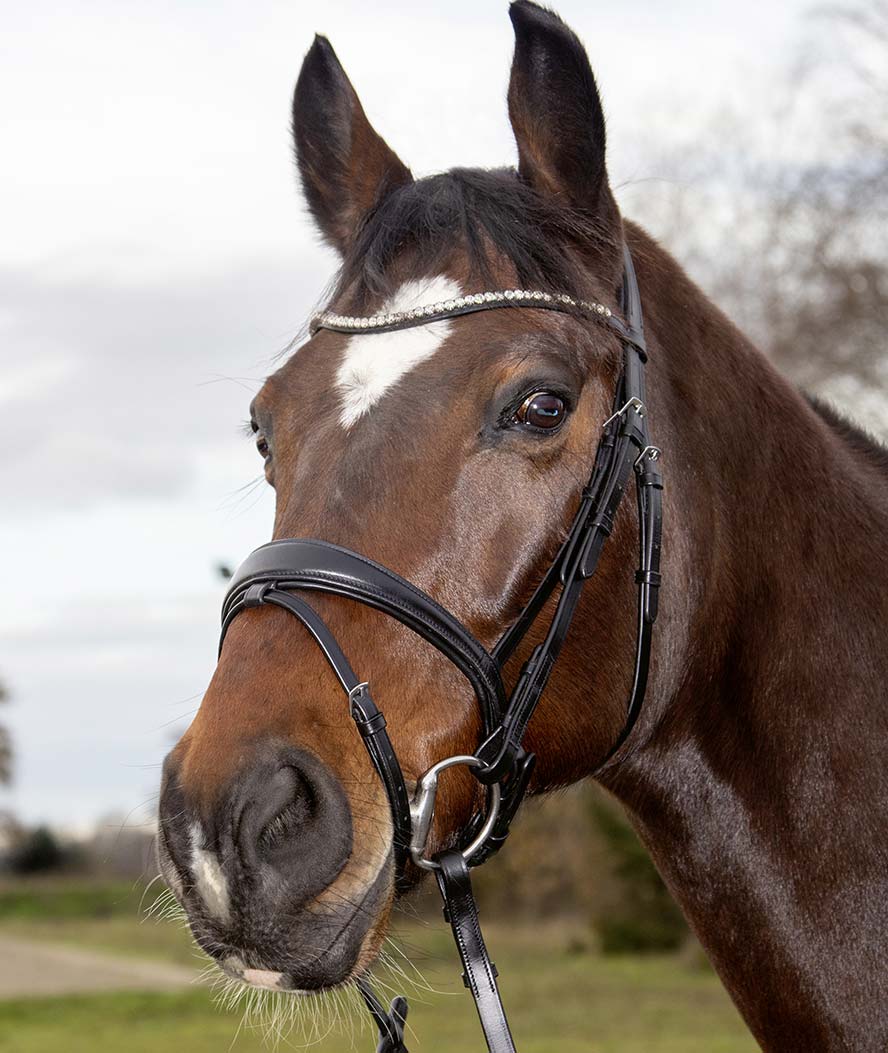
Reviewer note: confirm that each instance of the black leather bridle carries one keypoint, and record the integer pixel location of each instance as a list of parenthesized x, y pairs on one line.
[(276, 572)]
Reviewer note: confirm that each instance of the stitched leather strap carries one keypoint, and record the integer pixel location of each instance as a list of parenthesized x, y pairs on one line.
[(624, 445), (367, 717), (649, 489), (306, 563), (479, 972)]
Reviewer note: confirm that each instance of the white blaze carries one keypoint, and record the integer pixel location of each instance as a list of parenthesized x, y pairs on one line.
[(208, 877), (374, 362)]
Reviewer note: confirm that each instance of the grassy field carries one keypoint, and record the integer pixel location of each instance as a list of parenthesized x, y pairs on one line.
[(559, 995)]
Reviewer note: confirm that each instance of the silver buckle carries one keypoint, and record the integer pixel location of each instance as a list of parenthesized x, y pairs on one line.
[(422, 811), (358, 690), (633, 403), (355, 697), (653, 452)]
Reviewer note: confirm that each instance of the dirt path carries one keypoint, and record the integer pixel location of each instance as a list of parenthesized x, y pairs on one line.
[(39, 969)]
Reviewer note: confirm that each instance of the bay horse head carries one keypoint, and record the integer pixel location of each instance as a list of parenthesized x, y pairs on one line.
[(448, 450), (449, 444)]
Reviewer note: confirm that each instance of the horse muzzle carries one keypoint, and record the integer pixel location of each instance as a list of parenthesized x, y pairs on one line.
[(262, 873)]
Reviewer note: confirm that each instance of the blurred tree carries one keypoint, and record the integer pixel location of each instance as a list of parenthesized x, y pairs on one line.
[(785, 222), (36, 851), (5, 746), (574, 856), (553, 865), (641, 915)]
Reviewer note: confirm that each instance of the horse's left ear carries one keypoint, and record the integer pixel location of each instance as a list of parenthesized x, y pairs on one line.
[(345, 166), (556, 112)]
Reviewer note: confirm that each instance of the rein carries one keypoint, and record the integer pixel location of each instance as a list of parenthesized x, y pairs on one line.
[(275, 571)]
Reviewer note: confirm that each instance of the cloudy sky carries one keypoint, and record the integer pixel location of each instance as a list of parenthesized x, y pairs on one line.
[(155, 257)]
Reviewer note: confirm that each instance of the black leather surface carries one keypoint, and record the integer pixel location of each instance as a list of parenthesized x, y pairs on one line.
[(368, 718), (389, 1022), (305, 563), (479, 972)]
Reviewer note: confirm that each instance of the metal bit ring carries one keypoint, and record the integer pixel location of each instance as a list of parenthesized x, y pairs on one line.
[(422, 811)]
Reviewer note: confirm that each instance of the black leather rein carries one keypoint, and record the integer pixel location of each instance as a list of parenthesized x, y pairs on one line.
[(275, 572)]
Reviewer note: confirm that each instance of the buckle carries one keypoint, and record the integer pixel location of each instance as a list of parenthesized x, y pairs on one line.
[(654, 453), (357, 691), (370, 725), (633, 403)]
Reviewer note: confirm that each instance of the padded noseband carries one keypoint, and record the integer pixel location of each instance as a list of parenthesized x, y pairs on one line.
[(310, 565)]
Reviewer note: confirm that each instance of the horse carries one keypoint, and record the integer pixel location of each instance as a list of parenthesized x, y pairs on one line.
[(455, 453)]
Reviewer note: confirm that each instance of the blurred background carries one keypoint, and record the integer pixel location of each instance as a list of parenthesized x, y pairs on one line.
[(155, 258)]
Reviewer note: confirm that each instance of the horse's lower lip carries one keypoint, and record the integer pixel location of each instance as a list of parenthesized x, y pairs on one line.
[(267, 979), (264, 979)]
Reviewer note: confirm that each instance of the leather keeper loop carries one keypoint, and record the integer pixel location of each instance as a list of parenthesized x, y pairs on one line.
[(368, 725), (255, 594), (603, 522)]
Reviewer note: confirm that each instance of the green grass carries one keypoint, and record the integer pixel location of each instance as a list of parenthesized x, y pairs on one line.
[(52, 899), (109, 916), (588, 1005), (558, 996)]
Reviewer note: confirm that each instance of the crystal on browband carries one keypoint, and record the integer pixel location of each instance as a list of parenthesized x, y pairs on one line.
[(450, 308)]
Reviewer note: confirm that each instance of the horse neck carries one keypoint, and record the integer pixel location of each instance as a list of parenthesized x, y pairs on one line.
[(758, 779)]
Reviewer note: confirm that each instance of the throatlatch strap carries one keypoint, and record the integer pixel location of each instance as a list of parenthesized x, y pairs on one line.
[(479, 972)]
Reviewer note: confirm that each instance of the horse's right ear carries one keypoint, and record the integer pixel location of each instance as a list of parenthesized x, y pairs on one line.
[(556, 112), (345, 166)]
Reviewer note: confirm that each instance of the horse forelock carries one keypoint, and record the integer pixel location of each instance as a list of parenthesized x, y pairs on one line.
[(483, 220)]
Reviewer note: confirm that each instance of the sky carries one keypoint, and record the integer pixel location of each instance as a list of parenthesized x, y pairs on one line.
[(155, 258)]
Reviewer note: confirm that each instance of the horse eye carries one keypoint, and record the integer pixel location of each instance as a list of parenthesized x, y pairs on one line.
[(262, 446), (542, 410)]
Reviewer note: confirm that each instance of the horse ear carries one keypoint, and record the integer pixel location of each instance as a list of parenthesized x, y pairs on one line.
[(345, 166), (556, 111)]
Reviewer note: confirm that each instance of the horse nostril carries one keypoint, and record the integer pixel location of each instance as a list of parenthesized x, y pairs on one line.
[(275, 836), (289, 818), (294, 817)]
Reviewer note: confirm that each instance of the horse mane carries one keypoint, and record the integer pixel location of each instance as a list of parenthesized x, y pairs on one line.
[(486, 214), (490, 213), (860, 441)]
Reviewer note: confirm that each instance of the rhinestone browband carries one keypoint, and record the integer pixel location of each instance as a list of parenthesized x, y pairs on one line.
[(383, 322)]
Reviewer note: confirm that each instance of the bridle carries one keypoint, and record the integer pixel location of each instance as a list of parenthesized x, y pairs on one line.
[(275, 572)]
